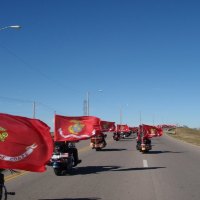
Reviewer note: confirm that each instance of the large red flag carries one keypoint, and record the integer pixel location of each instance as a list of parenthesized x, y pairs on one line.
[(75, 128), (107, 126), (24, 143)]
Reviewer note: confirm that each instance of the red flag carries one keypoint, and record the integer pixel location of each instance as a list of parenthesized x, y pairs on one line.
[(107, 126), (151, 131), (75, 128), (122, 127), (24, 143)]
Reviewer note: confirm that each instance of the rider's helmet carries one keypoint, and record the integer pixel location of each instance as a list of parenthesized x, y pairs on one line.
[(59, 147)]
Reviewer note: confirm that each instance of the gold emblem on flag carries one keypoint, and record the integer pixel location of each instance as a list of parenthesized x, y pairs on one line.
[(153, 131), (76, 128), (122, 128), (105, 126), (3, 134)]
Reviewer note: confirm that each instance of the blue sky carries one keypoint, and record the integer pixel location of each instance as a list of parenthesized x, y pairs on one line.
[(143, 54)]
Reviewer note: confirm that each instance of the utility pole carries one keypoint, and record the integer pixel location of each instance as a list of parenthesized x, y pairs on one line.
[(140, 118), (85, 107), (88, 104), (34, 110)]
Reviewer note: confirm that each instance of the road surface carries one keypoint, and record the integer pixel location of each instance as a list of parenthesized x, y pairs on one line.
[(120, 172)]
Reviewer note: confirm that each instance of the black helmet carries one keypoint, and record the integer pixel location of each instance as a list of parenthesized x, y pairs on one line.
[(59, 146)]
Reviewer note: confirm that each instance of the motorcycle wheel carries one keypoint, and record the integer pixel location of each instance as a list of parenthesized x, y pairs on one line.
[(59, 172), (1, 192), (72, 163), (145, 151)]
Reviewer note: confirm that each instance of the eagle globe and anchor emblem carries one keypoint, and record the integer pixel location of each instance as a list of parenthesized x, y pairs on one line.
[(3, 134), (106, 126), (76, 128), (28, 150), (73, 130)]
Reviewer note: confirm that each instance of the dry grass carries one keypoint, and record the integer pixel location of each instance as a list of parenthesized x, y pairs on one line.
[(186, 134)]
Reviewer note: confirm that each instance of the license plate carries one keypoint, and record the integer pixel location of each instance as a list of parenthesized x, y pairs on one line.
[(64, 155), (55, 156)]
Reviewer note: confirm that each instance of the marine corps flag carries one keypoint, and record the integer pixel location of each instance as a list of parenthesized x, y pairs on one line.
[(75, 128), (107, 126), (25, 143), (152, 131)]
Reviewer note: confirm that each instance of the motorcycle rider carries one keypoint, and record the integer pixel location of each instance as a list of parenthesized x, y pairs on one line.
[(116, 135), (139, 140), (102, 135)]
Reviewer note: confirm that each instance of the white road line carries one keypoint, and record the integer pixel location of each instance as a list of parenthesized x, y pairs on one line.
[(145, 164)]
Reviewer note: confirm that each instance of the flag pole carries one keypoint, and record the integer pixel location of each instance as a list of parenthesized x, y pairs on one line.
[(120, 116), (88, 104)]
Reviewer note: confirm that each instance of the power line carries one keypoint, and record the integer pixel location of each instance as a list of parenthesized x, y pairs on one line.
[(38, 70), (16, 99), (11, 99)]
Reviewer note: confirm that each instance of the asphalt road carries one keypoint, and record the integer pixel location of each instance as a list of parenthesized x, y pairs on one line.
[(119, 172)]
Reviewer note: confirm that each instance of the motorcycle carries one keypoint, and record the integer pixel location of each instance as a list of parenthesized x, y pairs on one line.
[(120, 135), (116, 136), (98, 142), (126, 134), (62, 161), (144, 146), (3, 190)]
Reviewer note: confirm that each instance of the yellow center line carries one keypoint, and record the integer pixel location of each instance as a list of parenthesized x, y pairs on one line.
[(12, 176)]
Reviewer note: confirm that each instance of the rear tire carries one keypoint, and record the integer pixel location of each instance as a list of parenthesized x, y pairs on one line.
[(59, 172), (1, 192)]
